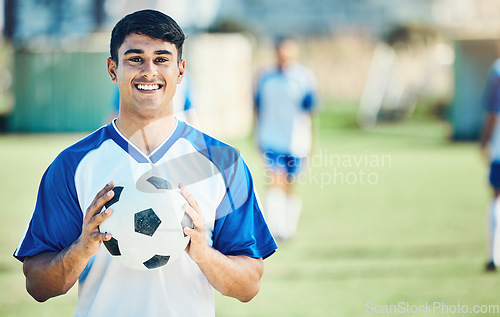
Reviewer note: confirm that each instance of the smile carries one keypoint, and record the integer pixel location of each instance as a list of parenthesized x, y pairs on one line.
[(148, 86)]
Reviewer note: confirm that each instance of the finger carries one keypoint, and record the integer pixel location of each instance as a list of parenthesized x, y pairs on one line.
[(99, 218), (195, 217), (189, 232), (106, 236), (196, 234), (103, 191), (97, 236), (96, 207), (189, 198)]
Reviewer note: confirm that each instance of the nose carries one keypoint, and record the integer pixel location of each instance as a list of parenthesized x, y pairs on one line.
[(149, 70)]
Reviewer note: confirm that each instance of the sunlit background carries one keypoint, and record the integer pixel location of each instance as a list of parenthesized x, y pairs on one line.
[(387, 57), (400, 81)]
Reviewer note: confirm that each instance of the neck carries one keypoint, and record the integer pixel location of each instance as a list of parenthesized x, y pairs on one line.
[(146, 134), (284, 66)]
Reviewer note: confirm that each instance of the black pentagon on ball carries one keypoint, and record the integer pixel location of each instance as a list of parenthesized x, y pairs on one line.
[(156, 261), (187, 222), (146, 222), (118, 191), (160, 183), (112, 246)]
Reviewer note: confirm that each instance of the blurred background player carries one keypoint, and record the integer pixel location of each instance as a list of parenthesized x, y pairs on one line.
[(490, 147), (284, 99)]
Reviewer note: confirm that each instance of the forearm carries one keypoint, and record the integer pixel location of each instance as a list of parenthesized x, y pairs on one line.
[(52, 274), (233, 276)]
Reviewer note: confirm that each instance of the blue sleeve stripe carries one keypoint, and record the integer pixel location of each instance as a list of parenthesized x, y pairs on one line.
[(309, 101)]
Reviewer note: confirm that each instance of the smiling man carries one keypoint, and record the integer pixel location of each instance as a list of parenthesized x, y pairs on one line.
[(229, 239)]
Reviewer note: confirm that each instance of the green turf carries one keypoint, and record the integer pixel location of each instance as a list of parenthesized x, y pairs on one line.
[(417, 235)]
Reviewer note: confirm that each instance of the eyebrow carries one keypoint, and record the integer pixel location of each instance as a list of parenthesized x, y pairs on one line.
[(133, 51), (139, 51), (164, 52)]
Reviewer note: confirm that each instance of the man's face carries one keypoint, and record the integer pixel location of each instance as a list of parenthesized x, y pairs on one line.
[(147, 75), (288, 52)]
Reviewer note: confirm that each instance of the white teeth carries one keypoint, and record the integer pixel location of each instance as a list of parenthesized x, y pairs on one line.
[(148, 87)]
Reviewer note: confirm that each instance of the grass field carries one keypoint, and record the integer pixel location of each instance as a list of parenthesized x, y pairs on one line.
[(393, 215)]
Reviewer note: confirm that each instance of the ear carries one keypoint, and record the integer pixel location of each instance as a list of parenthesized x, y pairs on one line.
[(112, 69), (182, 68)]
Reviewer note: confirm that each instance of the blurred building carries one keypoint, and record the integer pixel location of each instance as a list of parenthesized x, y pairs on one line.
[(28, 20), (322, 17)]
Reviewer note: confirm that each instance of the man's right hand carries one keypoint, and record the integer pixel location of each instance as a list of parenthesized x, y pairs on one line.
[(49, 274), (91, 238)]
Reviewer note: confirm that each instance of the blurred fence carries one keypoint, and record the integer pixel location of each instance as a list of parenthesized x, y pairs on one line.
[(71, 91), (60, 92)]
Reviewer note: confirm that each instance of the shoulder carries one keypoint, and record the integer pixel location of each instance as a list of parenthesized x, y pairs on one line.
[(221, 154), (267, 74), (302, 70), (72, 155)]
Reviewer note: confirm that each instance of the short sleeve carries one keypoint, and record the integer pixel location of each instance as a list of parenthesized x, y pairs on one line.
[(311, 97), (57, 218), (491, 94), (240, 228)]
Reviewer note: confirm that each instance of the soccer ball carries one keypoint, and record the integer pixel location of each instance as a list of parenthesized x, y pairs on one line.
[(146, 226)]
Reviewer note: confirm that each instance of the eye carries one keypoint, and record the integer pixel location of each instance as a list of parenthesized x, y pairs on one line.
[(161, 60), (135, 59)]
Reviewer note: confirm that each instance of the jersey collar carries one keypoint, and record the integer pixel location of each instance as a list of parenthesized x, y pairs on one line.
[(135, 152)]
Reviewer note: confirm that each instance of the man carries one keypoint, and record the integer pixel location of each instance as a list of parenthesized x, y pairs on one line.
[(284, 100), (230, 239), (490, 147)]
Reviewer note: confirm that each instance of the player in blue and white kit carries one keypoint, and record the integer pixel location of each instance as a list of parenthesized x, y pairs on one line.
[(284, 100), (62, 243), (490, 146)]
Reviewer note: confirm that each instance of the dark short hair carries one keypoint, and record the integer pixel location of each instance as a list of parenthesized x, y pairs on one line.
[(152, 23)]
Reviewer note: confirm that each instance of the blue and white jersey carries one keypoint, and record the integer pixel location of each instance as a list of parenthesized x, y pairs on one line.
[(284, 100), (491, 103), (213, 172)]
